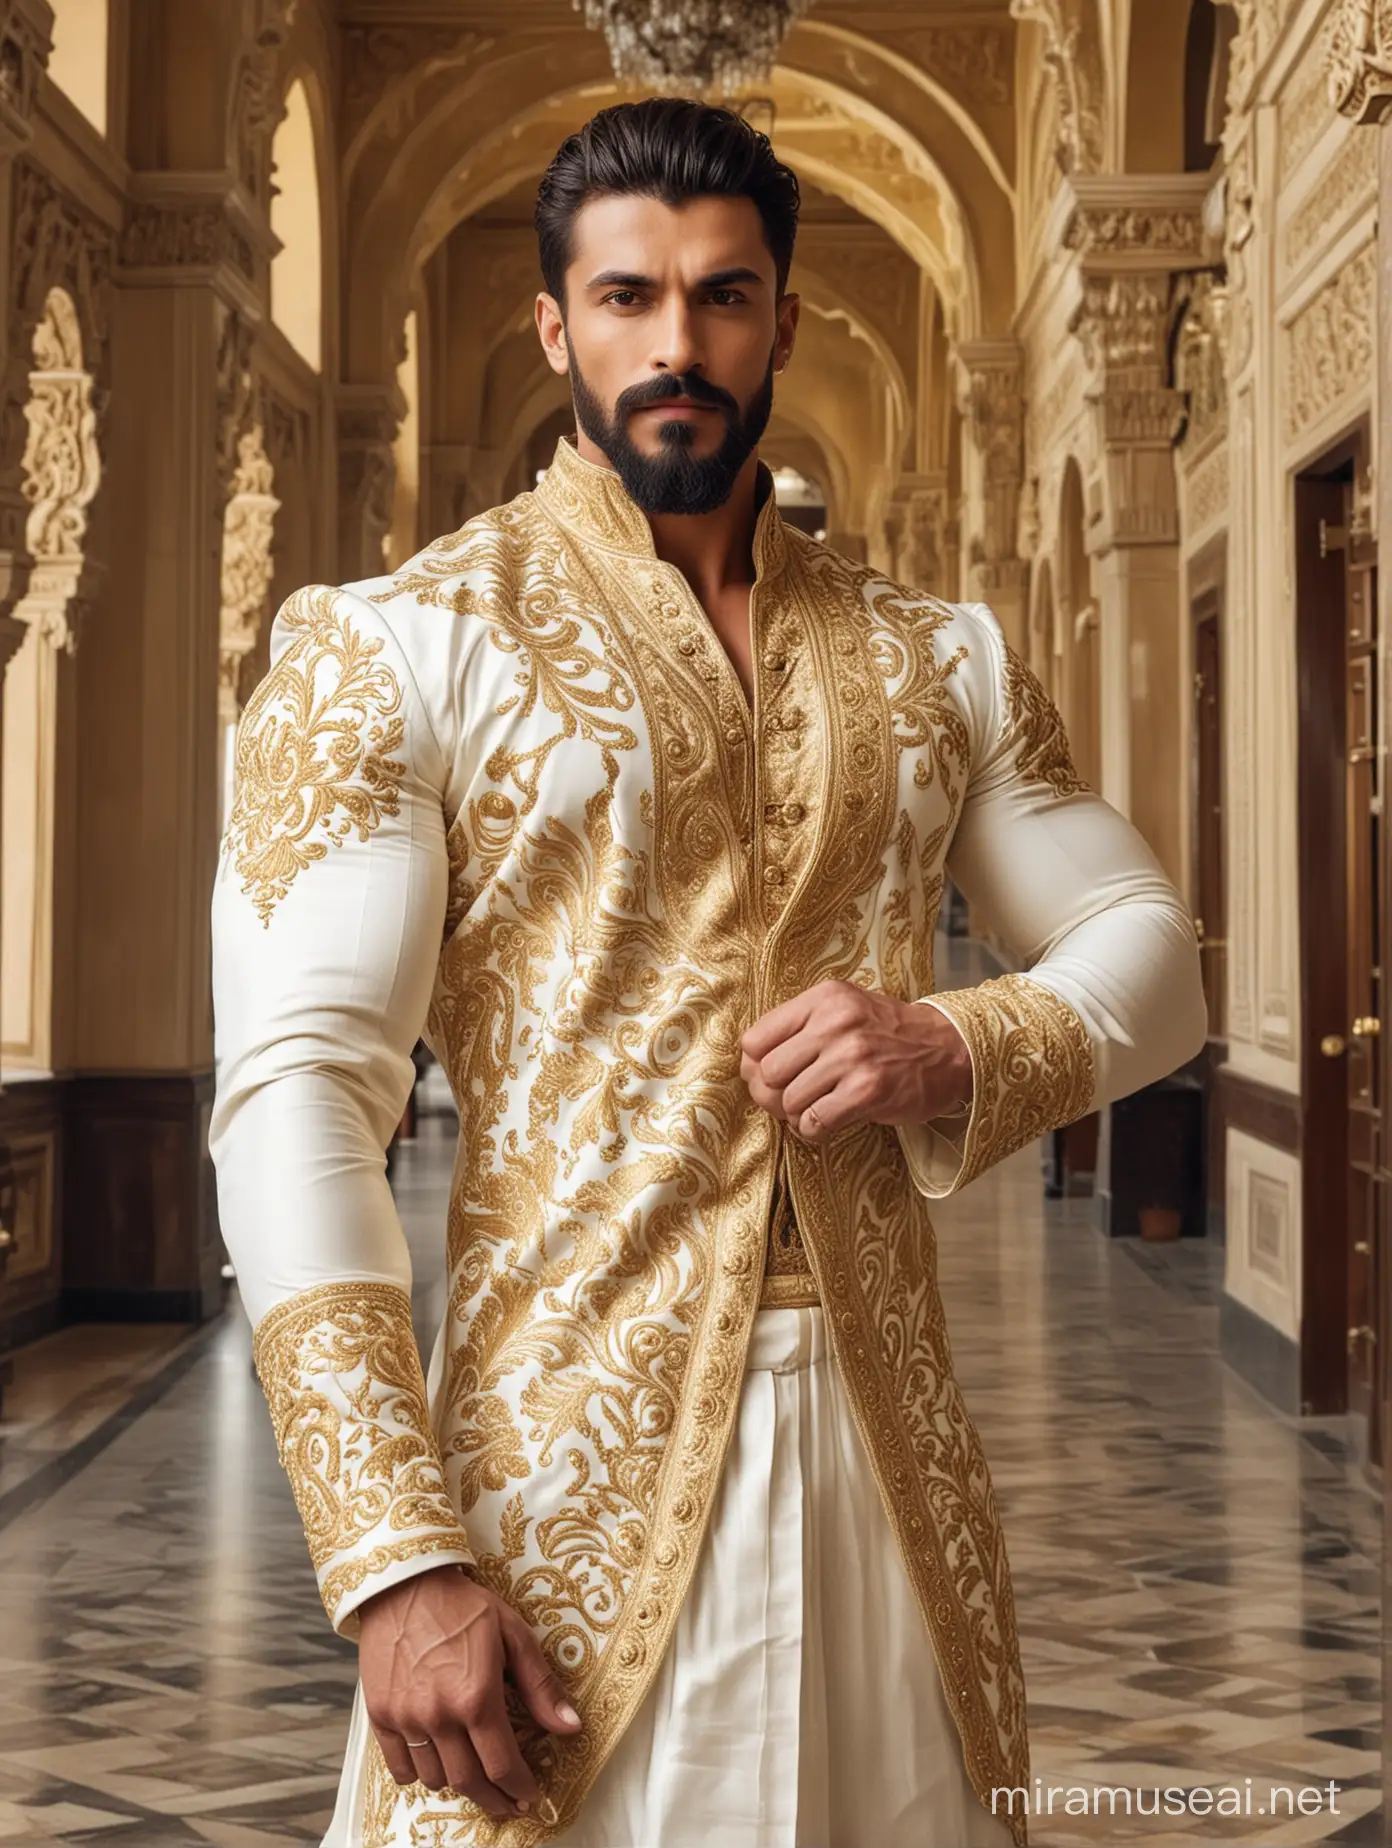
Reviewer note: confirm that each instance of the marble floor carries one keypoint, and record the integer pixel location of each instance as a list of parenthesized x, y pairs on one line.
[(1196, 1576)]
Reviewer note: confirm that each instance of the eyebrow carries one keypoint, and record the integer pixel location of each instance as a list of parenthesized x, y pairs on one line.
[(631, 279)]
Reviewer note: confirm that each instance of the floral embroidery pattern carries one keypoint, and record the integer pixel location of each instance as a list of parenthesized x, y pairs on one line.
[(314, 757), (1032, 1065), (343, 1379), (1035, 721)]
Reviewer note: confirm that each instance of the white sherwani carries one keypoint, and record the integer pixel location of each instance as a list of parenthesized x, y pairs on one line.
[(692, 1411)]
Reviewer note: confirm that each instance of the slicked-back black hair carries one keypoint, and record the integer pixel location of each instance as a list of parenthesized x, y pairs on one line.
[(668, 148)]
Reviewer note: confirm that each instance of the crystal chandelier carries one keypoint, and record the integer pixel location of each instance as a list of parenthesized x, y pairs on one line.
[(697, 45)]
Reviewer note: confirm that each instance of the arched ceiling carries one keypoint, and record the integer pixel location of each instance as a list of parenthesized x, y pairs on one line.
[(472, 119)]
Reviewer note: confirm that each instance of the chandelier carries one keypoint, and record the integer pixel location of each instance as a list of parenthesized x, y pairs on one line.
[(693, 44)]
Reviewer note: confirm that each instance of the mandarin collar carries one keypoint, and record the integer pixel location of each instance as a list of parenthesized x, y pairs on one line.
[(593, 501)]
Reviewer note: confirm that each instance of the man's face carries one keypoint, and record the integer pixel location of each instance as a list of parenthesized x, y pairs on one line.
[(671, 335)]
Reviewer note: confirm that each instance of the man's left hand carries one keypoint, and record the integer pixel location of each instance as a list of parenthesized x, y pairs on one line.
[(839, 1054)]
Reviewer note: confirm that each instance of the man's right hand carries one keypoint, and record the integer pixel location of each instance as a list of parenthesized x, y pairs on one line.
[(431, 1655)]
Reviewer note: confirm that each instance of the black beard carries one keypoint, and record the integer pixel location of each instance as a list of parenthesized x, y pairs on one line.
[(674, 481)]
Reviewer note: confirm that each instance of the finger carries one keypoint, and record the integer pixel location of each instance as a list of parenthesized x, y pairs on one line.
[(429, 1770), (397, 1757), (849, 1102), (793, 1055), (814, 1082), (495, 1742), (468, 1777), (541, 1688), (762, 1093), (773, 1028)]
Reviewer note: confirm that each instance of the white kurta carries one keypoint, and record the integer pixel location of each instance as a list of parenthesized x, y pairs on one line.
[(799, 1705)]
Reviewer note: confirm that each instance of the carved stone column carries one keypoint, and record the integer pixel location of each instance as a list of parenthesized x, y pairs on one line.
[(1130, 237), (140, 1232), (368, 419), (991, 399), (916, 532)]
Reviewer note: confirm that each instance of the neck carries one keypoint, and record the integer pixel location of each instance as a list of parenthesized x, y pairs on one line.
[(713, 551)]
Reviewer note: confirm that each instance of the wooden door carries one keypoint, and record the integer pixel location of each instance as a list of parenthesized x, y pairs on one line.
[(1365, 850), (1209, 896)]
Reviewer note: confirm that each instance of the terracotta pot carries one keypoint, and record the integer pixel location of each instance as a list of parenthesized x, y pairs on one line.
[(1159, 1222)]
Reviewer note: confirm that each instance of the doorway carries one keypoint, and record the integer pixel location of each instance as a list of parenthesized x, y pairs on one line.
[(1343, 867)]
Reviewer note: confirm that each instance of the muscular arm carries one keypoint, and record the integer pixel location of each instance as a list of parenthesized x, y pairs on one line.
[(327, 918)]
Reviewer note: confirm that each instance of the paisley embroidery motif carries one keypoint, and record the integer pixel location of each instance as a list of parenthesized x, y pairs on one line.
[(1035, 721), (342, 1375), (1032, 1067), (314, 750)]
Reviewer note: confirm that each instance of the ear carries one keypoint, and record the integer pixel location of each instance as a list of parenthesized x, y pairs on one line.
[(789, 309), (551, 329)]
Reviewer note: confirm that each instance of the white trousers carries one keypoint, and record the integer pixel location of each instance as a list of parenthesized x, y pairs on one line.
[(799, 1704)]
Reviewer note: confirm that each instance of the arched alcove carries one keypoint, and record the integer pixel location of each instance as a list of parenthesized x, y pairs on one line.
[(297, 268), (62, 471), (77, 64)]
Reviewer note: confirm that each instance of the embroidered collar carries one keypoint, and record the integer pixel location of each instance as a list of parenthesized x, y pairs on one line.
[(593, 501)]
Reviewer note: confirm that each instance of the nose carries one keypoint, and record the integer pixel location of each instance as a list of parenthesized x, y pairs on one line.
[(676, 345)]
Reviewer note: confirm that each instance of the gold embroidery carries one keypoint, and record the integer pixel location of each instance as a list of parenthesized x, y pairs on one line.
[(313, 751), (347, 1397), (1031, 716), (788, 1280), (1032, 1066), (612, 928), (874, 1249)]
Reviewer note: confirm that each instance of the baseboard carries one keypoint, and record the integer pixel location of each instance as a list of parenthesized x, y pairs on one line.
[(1261, 1354)]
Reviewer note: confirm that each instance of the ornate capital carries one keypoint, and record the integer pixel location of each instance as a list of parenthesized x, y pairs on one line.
[(1120, 222), (1358, 55), (196, 228)]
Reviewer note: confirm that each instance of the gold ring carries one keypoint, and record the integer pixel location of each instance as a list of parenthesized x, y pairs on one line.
[(417, 1744)]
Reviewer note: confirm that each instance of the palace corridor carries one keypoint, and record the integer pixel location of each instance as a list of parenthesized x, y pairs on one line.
[(1093, 334)]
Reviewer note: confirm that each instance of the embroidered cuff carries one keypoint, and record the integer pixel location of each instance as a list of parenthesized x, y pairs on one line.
[(347, 1396), (1032, 1070)]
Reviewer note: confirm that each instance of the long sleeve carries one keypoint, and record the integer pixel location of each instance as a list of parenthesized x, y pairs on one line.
[(327, 918), (1112, 995)]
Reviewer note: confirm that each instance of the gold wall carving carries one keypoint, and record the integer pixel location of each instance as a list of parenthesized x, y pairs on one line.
[(1073, 59), (1329, 346), (976, 62), (1206, 492), (1359, 54), (1347, 185)]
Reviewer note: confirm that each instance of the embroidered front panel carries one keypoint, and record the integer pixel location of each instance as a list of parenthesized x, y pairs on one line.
[(1032, 1066), (343, 1379), (315, 750), (610, 934), (876, 1257)]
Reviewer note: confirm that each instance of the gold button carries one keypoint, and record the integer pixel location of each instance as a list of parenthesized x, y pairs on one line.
[(687, 644), (773, 875), (793, 811), (733, 734), (775, 661)]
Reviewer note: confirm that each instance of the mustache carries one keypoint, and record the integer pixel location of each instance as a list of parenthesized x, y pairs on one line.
[(665, 385)]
